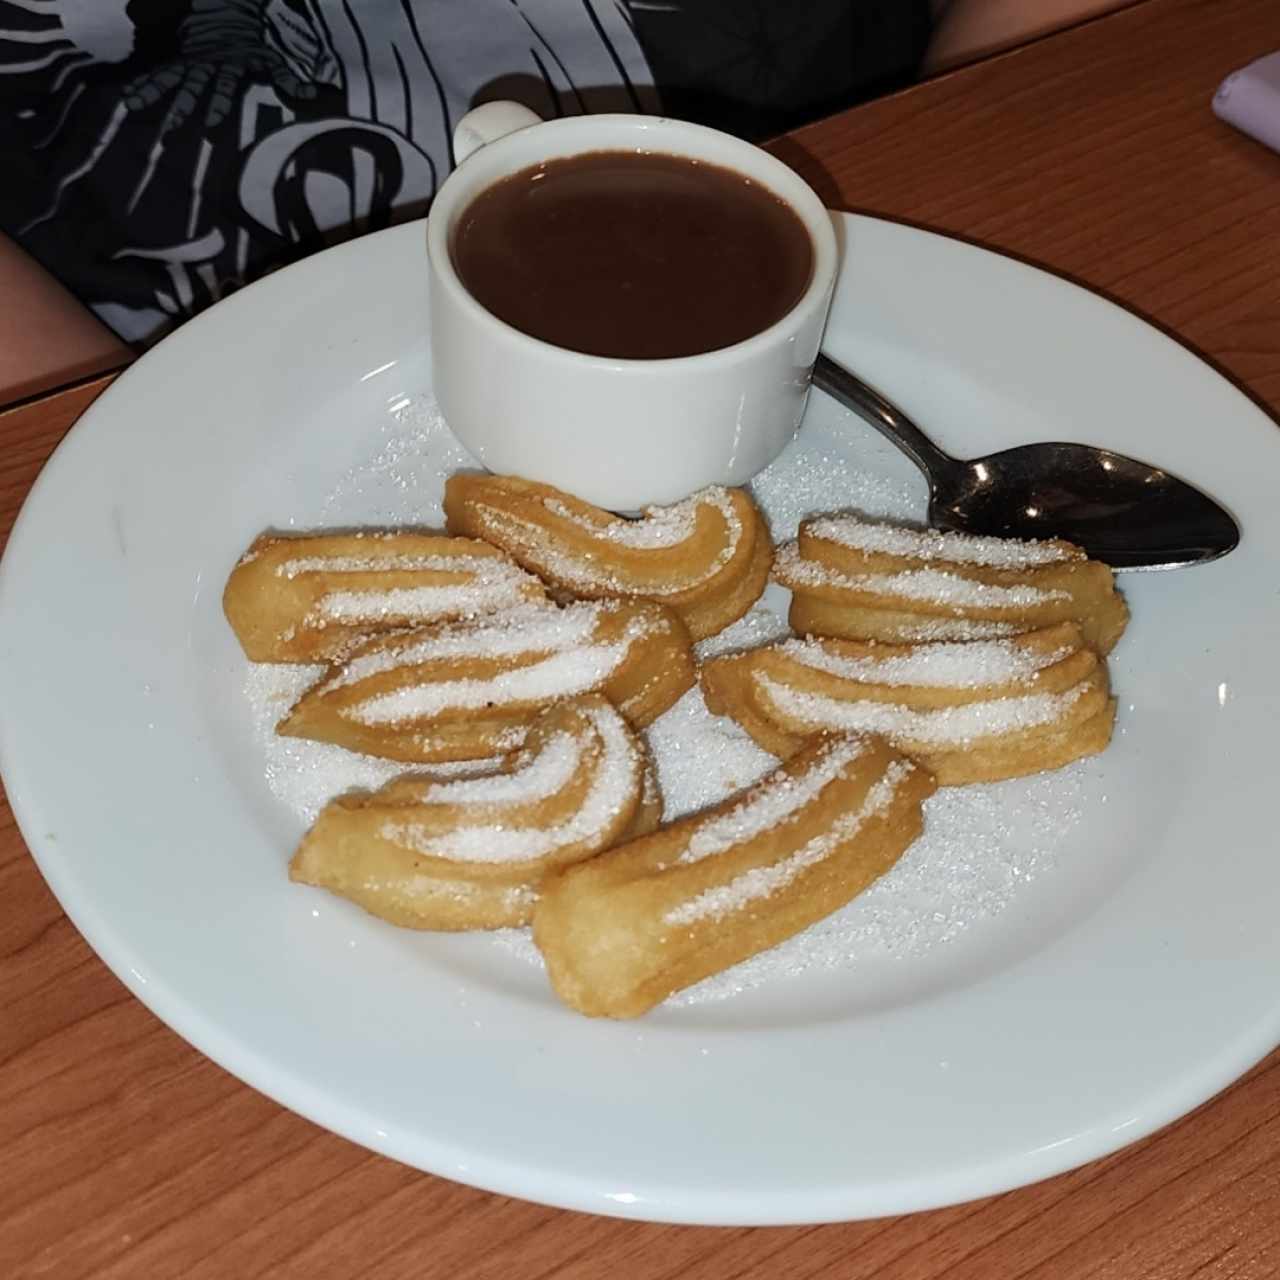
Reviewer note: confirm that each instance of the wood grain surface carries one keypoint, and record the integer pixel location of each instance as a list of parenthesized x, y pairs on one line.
[(124, 1154)]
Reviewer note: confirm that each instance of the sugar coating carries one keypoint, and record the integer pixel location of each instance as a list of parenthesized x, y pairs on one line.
[(396, 563), (982, 848), (957, 629), (614, 784), (556, 648), (930, 586), (542, 775), (420, 602), (536, 627), (659, 530), (938, 587), (946, 665), (937, 544), (777, 800), (762, 882), (465, 584), (657, 527), (559, 675), (942, 727), (304, 775)]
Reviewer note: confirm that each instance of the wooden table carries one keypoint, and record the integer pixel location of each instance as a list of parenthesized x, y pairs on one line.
[(123, 1153)]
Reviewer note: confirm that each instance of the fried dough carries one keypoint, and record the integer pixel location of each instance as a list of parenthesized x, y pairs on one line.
[(309, 598), (471, 689), (970, 712), (707, 557), (624, 930), (859, 580), (470, 853)]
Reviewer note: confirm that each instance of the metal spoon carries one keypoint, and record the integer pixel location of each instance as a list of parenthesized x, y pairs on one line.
[(1126, 513)]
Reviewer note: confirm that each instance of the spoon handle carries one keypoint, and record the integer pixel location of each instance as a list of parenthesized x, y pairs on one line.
[(887, 418)]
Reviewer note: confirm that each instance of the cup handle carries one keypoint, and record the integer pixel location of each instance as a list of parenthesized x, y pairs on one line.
[(488, 123)]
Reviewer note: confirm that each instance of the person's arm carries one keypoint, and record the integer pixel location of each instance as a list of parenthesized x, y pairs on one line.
[(969, 29), (47, 337)]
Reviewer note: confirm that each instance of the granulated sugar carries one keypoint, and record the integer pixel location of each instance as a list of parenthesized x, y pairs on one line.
[(940, 726), (403, 482), (558, 675), (303, 775), (932, 545), (982, 844), (978, 665), (760, 625), (701, 758), (808, 479), (658, 528), (447, 587), (614, 783), (932, 586), (777, 801), (654, 538), (536, 777)]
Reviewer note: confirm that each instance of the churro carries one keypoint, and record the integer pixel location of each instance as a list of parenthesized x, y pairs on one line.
[(707, 557), (470, 852), (623, 931), (860, 580), (979, 711), (470, 689), (309, 598)]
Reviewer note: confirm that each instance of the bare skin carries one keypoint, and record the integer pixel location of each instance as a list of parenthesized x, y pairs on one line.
[(47, 337), (971, 29)]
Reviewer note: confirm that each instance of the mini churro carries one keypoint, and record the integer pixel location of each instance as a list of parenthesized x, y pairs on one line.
[(626, 929), (860, 580), (707, 557), (468, 690), (470, 852), (978, 711), (310, 598)]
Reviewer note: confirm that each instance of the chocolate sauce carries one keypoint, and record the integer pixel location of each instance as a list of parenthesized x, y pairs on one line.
[(635, 255)]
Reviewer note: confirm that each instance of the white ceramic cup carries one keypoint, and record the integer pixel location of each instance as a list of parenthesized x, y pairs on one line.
[(619, 433)]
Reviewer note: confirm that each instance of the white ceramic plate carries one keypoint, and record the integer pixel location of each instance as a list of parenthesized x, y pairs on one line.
[(1123, 986)]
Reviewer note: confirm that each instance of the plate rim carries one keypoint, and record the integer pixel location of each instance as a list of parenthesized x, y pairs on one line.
[(190, 1023)]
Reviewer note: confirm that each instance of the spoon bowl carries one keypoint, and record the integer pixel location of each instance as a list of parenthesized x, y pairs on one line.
[(1123, 512)]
